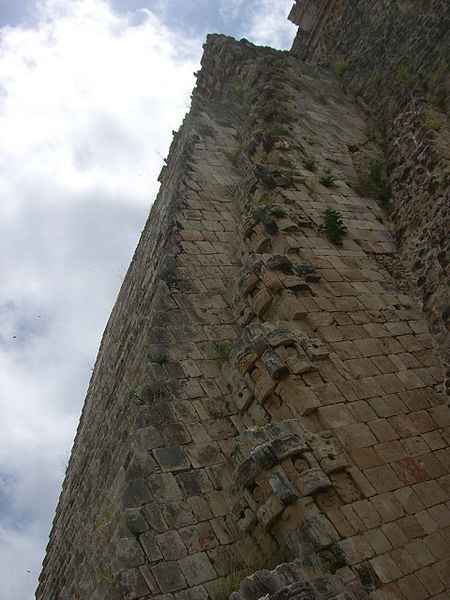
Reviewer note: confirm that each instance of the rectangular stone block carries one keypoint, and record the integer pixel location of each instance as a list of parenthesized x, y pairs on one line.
[(385, 568), (301, 399), (383, 478), (356, 549), (356, 436), (198, 537), (172, 458), (169, 576), (197, 568), (335, 415)]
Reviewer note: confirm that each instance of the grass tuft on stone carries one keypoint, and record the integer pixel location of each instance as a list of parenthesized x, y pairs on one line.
[(373, 183), (333, 226), (222, 350), (327, 178), (310, 163)]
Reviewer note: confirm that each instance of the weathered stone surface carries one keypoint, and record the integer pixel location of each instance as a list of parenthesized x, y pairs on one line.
[(261, 392)]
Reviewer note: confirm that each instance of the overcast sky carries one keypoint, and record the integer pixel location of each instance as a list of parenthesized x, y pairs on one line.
[(90, 91)]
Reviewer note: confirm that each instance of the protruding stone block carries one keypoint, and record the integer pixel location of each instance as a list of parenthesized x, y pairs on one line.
[(269, 510)]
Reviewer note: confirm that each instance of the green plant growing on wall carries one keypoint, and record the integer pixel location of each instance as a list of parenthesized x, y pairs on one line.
[(134, 397), (231, 584), (222, 350), (312, 185), (310, 163), (405, 79), (238, 91), (439, 85), (430, 121), (377, 80), (107, 576), (261, 198), (440, 98), (277, 130), (372, 183), (333, 226), (340, 67), (327, 178), (233, 156)]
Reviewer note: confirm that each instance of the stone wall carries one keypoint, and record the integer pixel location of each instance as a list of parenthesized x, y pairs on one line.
[(394, 55), (266, 394)]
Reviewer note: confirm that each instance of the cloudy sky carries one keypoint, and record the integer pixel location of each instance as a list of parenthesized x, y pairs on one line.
[(90, 91)]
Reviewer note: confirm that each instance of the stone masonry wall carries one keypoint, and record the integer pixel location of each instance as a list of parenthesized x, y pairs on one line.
[(394, 56), (266, 410)]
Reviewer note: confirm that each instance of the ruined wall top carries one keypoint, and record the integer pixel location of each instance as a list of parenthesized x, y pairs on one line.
[(305, 13)]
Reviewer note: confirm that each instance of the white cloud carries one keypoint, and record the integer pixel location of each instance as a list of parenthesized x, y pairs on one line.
[(87, 105), (269, 24), (266, 22)]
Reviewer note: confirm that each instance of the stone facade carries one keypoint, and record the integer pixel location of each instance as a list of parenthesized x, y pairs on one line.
[(393, 55), (265, 418), (319, 22)]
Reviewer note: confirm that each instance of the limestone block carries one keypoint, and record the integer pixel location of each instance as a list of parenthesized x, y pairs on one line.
[(247, 226), (172, 458), (245, 317), (287, 224), (292, 308), (136, 494), (269, 510), (151, 548), (301, 399), (128, 553), (171, 545), (259, 460), (274, 364), (279, 337), (194, 482), (164, 488), (329, 452), (169, 576), (345, 486), (319, 530), (178, 514), (312, 481), (271, 280), (314, 348), (261, 242), (261, 302), (260, 343), (288, 445), (243, 398), (197, 568), (264, 386), (198, 537), (135, 520), (294, 283), (291, 245), (245, 359), (244, 514), (281, 486), (248, 283), (149, 438), (132, 585), (299, 364)]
